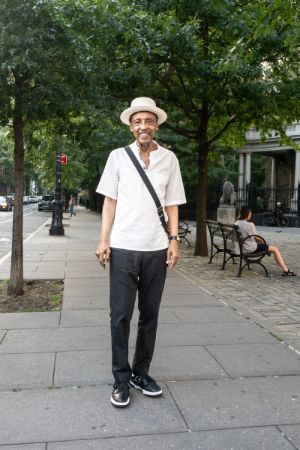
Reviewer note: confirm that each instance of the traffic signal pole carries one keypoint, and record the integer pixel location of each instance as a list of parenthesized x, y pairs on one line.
[(57, 228)]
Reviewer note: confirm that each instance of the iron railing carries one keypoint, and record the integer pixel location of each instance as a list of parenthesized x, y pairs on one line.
[(260, 199), (265, 199)]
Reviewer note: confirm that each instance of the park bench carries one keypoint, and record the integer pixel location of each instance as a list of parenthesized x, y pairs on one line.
[(183, 231), (228, 240)]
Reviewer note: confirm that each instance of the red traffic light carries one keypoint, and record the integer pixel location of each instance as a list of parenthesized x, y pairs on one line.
[(63, 159)]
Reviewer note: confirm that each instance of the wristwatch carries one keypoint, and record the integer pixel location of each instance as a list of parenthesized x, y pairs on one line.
[(174, 238)]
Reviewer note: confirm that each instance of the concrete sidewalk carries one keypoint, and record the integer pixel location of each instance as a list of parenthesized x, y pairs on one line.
[(228, 383)]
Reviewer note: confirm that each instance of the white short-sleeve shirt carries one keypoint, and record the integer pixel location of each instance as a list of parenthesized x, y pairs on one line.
[(136, 225), (247, 229)]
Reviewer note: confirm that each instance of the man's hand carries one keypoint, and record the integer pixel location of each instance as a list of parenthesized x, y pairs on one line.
[(173, 254), (103, 252)]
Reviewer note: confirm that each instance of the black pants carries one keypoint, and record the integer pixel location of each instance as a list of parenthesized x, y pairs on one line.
[(133, 272)]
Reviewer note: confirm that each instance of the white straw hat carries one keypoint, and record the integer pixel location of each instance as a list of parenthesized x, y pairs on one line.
[(143, 104)]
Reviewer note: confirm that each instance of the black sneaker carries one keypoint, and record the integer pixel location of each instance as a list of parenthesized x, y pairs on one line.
[(120, 394), (146, 384)]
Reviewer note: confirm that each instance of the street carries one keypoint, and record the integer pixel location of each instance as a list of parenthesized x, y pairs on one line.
[(32, 221)]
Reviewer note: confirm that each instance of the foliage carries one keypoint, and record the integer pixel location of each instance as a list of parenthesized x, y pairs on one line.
[(6, 148), (216, 67), (46, 73)]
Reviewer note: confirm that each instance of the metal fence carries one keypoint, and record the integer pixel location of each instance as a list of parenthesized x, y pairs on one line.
[(263, 199), (259, 199)]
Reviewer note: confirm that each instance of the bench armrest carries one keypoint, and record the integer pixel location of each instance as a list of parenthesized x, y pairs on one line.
[(254, 235)]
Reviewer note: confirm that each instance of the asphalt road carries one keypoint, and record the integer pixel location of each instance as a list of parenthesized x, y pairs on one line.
[(33, 219)]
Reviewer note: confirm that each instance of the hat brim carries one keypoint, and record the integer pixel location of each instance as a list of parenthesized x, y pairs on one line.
[(127, 113)]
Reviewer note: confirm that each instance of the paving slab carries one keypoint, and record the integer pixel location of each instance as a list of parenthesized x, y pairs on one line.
[(184, 289), (201, 299), (166, 315), (96, 317), (31, 370), (96, 283), (74, 301), (33, 257), (51, 261), (29, 320), (85, 291), (292, 432), (178, 280), (57, 257), (81, 256), (82, 246), (45, 275), (85, 413), (256, 359), (219, 404), (77, 272), (268, 438), (83, 368), (185, 363), (208, 314), (54, 340), (86, 302), (30, 266), (2, 334), (24, 447), (207, 333), (85, 318)]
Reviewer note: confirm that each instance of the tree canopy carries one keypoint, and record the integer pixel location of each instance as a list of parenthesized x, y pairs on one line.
[(217, 67)]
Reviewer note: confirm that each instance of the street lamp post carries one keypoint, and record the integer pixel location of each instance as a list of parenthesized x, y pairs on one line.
[(57, 228)]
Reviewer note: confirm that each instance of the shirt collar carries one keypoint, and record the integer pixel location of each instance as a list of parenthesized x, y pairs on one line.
[(135, 148)]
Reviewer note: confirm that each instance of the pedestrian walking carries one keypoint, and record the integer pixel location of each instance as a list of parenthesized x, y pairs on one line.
[(134, 239), (72, 204)]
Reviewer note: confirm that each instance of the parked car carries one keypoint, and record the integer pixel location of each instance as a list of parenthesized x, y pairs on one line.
[(46, 203), (5, 203)]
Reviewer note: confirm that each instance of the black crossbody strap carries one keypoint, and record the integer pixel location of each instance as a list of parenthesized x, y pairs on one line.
[(149, 186)]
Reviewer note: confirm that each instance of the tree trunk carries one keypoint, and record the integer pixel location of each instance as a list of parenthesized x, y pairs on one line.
[(201, 239), (15, 286)]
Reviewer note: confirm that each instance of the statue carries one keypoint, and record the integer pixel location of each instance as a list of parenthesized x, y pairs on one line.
[(229, 195)]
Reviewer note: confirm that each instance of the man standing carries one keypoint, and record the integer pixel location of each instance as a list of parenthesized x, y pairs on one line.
[(135, 242)]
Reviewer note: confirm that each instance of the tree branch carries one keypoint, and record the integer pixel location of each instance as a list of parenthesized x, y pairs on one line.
[(194, 107), (181, 131), (175, 98), (220, 132)]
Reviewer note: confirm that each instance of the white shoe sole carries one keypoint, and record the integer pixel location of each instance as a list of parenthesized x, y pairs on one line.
[(147, 393), (118, 404)]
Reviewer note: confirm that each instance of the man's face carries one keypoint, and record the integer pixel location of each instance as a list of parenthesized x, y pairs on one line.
[(143, 125)]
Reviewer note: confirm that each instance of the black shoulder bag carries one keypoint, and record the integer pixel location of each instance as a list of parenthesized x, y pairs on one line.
[(150, 188)]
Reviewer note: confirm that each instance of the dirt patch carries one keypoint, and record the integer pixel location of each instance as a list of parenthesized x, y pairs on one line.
[(39, 295)]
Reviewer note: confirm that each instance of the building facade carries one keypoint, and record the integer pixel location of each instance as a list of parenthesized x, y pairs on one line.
[(282, 165)]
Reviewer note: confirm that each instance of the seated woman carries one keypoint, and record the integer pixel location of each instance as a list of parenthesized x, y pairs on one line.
[(254, 243)]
